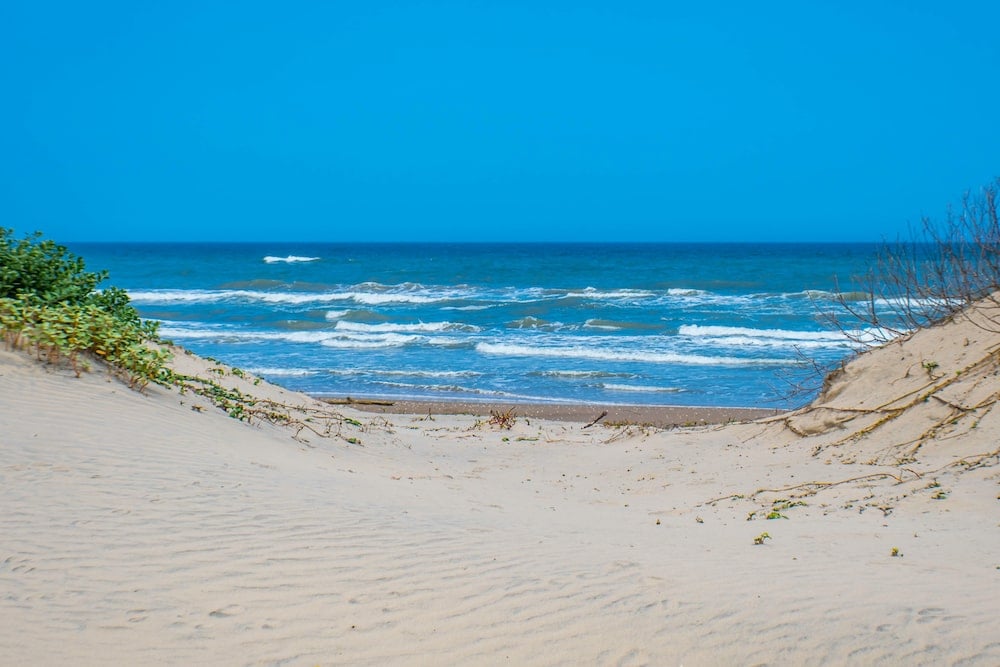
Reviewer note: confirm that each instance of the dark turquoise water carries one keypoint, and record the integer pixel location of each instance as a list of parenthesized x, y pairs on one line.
[(705, 324)]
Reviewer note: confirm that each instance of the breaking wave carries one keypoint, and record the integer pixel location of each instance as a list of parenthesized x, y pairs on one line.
[(290, 259)]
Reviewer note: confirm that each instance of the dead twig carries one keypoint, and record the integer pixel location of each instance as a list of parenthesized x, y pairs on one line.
[(599, 418)]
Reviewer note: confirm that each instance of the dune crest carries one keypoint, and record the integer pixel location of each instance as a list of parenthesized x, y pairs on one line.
[(921, 404)]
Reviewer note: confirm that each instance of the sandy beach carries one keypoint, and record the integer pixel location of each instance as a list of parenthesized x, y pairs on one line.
[(153, 528)]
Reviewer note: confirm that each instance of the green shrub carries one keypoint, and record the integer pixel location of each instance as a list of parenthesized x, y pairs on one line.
[(41, 271), (49, 301)]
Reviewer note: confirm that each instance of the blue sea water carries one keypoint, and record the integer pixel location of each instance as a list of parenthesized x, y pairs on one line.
[(666, 324)]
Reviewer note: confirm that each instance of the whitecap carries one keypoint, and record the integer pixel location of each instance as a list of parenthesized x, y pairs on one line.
[(282, 372), (641, 388), (369, 342), (593, 293), (585, 352), (290, 259), (167, 296), (418, 327), (698, 330)]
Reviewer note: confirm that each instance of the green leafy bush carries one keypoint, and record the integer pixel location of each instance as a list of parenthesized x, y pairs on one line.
[(41, 271), (49, 301)]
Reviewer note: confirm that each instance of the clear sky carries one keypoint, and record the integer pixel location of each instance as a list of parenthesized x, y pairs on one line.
[(493, 120)]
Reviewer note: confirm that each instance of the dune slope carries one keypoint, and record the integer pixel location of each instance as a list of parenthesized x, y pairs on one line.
[(155, 529)]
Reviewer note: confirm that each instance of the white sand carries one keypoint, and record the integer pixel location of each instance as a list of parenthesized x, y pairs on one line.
[(135, 529)]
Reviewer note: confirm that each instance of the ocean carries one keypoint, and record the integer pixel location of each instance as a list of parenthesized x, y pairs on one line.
[(735, 325)]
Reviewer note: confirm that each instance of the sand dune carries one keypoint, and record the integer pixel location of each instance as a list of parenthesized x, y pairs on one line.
[(155, 529)]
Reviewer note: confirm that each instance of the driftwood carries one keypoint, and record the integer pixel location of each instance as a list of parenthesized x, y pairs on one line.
[(599, 418), (357, 401)]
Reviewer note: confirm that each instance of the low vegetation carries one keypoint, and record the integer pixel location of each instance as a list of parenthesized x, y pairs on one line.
[(50, 303), (943, 268)]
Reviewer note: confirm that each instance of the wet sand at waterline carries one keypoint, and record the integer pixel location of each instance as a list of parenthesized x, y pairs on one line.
[(662, 416)]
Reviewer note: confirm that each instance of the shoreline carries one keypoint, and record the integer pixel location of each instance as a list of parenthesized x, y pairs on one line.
[(661, 416)]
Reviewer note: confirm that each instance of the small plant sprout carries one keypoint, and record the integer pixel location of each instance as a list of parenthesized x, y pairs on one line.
[(504, 420), (930, 366), (760, 538), (894, 552)]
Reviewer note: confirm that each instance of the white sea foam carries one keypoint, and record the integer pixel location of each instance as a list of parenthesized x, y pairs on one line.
[(375, 299), (641, 388), (290, 259), (593, 293), (531, 322), (816, 294), (429, 374), (335, 314), (402, 373), (418, 327), (589, 352), (702, 331), (449, 388), (168, 296), (369, 342), (472, 392), (582, 374), (282, 372), (916, 305), (604, 325), (219, 296), (334, 339), (775, 343)]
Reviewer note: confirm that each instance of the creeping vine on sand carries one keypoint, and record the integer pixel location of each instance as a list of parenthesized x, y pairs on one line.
[(244, 407)]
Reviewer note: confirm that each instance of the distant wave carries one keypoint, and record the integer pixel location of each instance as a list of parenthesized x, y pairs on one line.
[(585, 352), (418, 327), (582, 374), (474, 394), (641, 388), (429, 374), (455, 297), (282, 372), (333, 339), (403, 373), (774, 338), (374, 299), (370, 342), (605, 325), (468, 308), (290, 259), (615, 325), (167, 296), (531, 322), (913, 304), (697, 330), (593, 293), (439, 388)]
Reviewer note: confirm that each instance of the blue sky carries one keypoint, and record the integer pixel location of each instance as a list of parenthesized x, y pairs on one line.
[(493, 121)]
